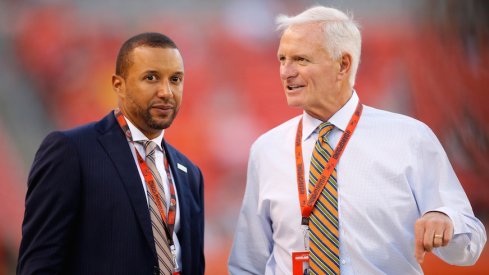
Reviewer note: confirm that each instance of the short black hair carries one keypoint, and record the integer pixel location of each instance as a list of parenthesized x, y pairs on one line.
[(149, 39)]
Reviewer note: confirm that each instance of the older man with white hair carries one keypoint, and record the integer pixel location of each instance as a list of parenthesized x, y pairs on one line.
[(368, 191)]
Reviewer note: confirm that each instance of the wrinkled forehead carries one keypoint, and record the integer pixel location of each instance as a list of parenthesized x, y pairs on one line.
[(313, 29), (303, 35)]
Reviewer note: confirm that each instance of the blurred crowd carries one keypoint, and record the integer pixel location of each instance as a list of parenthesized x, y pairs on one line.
[(426, 59)]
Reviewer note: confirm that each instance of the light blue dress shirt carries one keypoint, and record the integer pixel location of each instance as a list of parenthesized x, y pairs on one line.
[(392, 171)]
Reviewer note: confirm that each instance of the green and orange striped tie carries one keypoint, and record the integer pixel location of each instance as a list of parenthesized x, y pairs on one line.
[(324, 243)]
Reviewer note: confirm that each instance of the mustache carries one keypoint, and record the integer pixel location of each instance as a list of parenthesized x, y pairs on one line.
[(163, 105)]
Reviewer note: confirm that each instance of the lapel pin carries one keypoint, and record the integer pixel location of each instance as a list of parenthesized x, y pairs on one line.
[(181, 167)]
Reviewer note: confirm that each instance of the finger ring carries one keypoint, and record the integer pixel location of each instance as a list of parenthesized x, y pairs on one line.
[(438, 236)]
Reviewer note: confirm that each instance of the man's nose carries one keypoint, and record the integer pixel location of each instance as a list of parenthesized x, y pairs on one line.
[(165, 89), (287, 70)]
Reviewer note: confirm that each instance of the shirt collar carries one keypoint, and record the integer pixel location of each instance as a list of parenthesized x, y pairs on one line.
[(137, 135), (340, 119)]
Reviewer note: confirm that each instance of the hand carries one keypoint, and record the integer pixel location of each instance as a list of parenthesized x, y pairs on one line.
[(433, 229)]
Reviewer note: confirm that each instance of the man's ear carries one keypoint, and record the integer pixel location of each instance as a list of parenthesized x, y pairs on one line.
[(345, 66), (118, 85)]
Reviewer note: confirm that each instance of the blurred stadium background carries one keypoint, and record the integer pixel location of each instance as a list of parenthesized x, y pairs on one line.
[(425, 58)]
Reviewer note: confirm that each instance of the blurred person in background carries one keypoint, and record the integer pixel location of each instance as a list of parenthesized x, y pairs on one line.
[(380, 190), (112, 197)]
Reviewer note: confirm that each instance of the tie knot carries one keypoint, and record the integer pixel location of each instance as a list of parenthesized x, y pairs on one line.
[(324, 129), (149, 147)]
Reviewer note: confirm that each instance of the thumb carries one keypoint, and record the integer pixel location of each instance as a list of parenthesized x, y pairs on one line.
[(419, 251), (419, 254)]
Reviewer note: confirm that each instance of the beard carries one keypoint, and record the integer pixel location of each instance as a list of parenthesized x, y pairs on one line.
[(153, 123), (145, 115)]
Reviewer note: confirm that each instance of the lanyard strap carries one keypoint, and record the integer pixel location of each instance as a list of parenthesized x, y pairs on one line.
[(308, 204), (168, 220)]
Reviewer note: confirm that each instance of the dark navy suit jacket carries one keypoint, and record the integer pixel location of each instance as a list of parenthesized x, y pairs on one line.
[(86, 211)]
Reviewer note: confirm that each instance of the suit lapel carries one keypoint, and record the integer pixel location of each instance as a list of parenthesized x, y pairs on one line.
[(183, 192), (117, 148), (178, 174)]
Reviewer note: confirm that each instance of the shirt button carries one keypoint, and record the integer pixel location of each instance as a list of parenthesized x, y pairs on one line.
[(343, 261)]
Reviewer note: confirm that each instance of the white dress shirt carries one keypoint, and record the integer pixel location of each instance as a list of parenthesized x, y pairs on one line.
[(392, 171), (137, 135)]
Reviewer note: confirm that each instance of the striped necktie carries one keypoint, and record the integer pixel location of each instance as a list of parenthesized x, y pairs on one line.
[(163, 251), (323, 224)]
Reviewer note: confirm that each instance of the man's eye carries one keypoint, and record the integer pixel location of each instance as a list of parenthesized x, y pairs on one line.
[(151, 77), (175, 79)]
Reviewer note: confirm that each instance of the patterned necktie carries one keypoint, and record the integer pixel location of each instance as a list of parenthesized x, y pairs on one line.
[(323, 224), (163, 252)]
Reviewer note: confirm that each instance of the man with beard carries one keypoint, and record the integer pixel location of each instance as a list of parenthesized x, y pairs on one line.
[(112, 197)]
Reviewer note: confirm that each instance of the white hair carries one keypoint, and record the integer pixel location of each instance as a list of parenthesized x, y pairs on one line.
[(342, 34)]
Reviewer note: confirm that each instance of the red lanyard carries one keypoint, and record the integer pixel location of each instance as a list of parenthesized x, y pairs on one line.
[(169, 221), (308, 204)]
